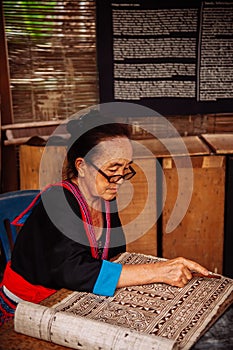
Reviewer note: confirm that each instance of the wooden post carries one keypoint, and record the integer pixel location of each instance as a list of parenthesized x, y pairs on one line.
[(222, 144), (228, 242), (8, 165), (6, 98)]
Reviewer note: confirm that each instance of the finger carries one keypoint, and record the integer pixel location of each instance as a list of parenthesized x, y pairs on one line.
[(194, 266), (182, 282), (188, 274), (185, 276), (185, 281), (179, 284)]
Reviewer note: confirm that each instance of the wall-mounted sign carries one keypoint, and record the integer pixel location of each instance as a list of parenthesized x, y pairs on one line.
[(175, 57)]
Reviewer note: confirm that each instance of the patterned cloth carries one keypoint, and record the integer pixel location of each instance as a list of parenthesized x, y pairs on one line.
[(7, 307), (180, 314)]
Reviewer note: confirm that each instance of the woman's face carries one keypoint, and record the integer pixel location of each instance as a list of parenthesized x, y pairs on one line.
[(113, 157)]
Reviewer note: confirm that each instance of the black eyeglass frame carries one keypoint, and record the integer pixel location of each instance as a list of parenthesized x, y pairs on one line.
[(126, 176)]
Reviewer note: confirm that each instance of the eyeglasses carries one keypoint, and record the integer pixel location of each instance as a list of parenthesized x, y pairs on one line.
[(116, 178)]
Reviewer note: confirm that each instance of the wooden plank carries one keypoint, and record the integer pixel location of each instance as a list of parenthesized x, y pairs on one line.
[(193, 124), (220, 143), (29, 162), (16, 134), (53, 165), (223, 123), (189, 145), (21, 140), (9, 181), (33, 173), (137, 208), (186, 125), (31, 125), (228, 234), (200, 234), (0, 152)]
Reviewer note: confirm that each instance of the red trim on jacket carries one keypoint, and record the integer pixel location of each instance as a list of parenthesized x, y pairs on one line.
[(22, 288)]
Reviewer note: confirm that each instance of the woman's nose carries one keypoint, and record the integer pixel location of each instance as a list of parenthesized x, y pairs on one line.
[(120, 181)]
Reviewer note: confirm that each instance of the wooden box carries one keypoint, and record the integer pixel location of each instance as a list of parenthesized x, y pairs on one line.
[(200, 234), (223, 144), (137, 208), (228, 240), (40, 166)]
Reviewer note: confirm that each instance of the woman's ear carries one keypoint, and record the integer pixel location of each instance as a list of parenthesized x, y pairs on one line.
[(79, 165)]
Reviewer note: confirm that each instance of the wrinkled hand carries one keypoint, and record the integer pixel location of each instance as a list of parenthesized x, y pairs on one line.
[(178, 272)]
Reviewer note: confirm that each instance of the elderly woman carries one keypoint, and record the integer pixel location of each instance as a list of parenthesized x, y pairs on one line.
[(71, 235)]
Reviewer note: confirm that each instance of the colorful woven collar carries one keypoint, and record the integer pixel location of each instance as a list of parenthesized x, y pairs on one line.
[(86, 217)]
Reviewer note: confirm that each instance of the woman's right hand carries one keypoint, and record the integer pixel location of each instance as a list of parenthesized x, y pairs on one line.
[(175, 272)]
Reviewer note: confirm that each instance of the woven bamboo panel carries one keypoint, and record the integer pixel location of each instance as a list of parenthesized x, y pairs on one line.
[(52, 58)]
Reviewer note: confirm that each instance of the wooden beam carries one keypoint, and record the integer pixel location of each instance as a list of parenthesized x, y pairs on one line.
[(32, 124), (5, 91)]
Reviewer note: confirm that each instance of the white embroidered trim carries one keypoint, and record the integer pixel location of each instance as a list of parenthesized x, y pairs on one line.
[(11, 295)]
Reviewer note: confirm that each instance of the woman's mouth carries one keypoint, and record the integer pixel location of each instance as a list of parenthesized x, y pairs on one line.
[(113, 189)]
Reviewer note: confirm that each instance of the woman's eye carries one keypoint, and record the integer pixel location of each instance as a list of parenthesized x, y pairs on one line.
[(112, 170), (126, 170)]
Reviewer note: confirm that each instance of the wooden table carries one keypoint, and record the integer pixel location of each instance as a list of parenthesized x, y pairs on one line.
[(219, 334), (10, 340)]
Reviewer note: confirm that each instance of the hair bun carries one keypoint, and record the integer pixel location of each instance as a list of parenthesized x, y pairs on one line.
[(73, 126), (86, 122)]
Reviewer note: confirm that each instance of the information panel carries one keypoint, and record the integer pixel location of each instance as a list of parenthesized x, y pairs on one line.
[(173, 56)]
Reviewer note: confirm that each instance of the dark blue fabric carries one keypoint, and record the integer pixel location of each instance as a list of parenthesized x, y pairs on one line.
[(11, 205), (7, 307)]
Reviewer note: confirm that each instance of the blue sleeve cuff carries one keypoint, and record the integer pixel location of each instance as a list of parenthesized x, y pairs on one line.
[(108, 278)]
